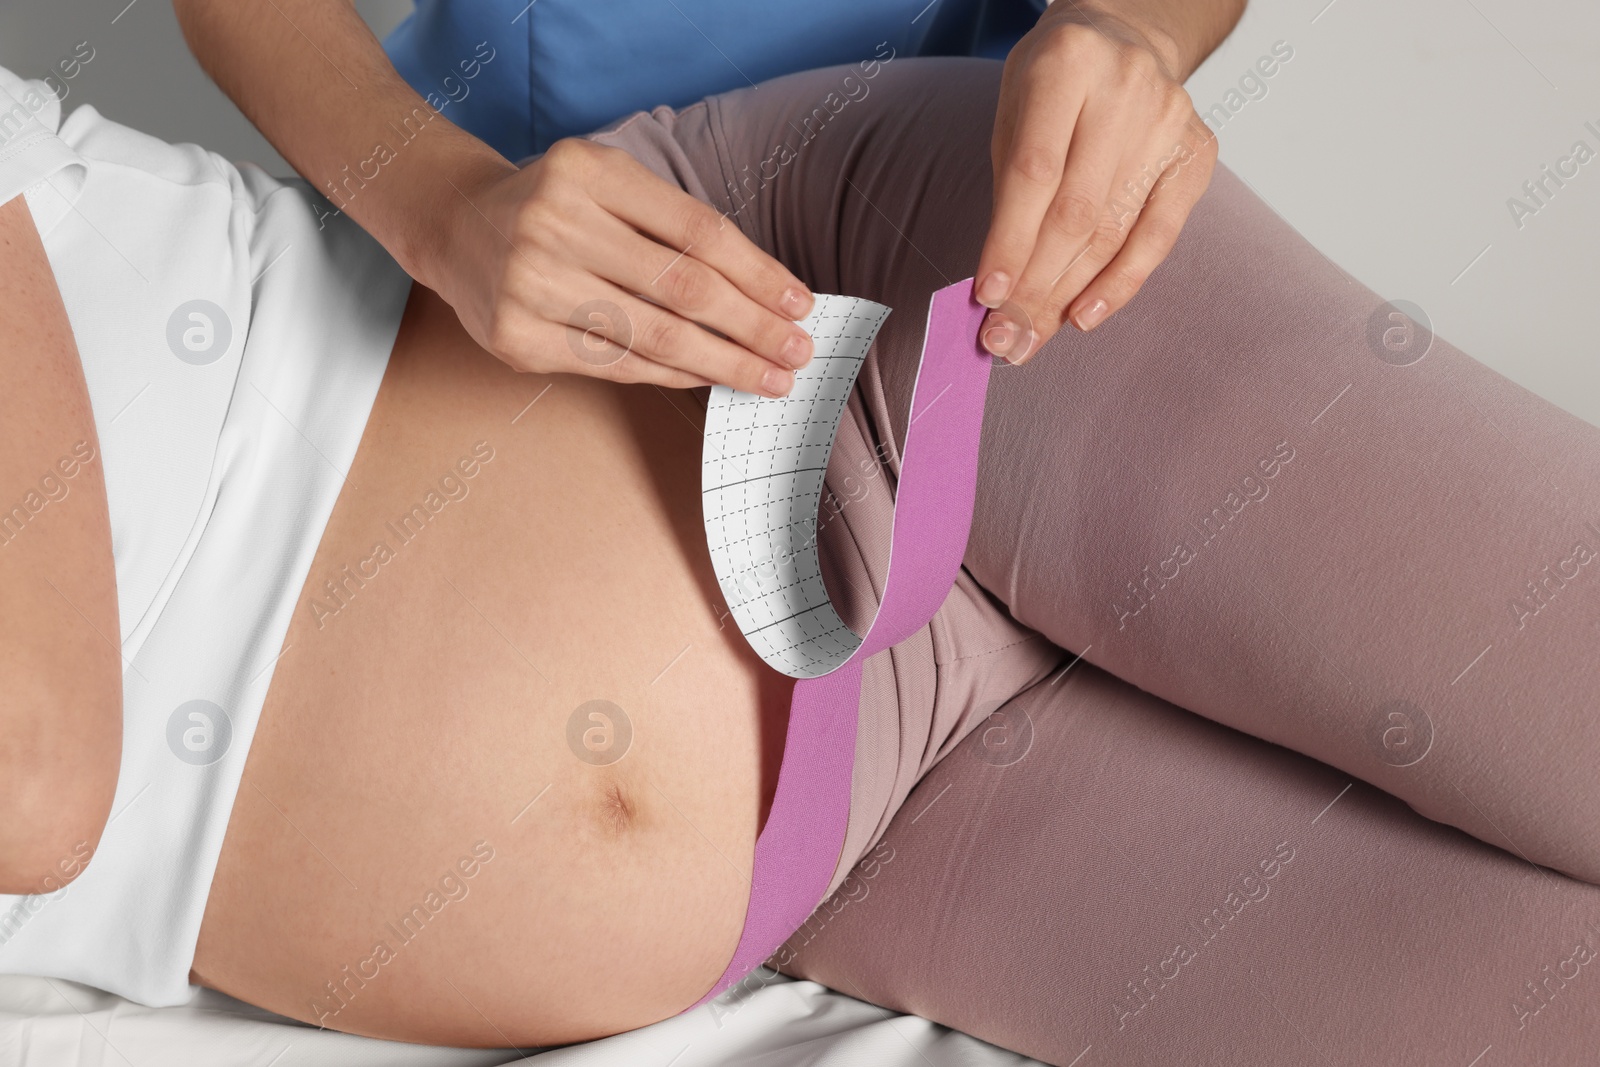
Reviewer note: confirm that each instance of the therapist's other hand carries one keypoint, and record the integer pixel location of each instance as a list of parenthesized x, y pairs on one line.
[(1098, 157), (585, 261)]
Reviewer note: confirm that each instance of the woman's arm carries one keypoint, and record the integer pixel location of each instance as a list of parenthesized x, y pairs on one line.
[(60, 662), (521, 255)]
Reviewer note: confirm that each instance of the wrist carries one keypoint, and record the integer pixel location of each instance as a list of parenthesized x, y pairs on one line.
[(448, 183), (1130, 24)]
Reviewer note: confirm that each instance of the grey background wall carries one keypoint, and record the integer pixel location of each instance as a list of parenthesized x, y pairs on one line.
[(142, 73), (1394, 139)]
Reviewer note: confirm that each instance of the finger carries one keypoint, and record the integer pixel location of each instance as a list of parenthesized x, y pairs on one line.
[(612, 324), (695, 291), (1030, 158), (1098, 145), (632, 368), (654, 206), (582, 346), (1128, 196), (1149, 241), (1164, 155)]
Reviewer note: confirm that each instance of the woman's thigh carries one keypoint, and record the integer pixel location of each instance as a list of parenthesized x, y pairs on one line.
[(1109, 879), (1258, 492)]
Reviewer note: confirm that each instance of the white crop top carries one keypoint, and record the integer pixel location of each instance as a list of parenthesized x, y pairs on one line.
[(233, 337)]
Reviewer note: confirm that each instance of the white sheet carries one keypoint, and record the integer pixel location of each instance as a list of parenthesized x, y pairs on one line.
[(784, 1023)]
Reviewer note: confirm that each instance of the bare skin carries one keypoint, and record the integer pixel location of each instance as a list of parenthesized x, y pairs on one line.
[(416, 739), (60, 677)]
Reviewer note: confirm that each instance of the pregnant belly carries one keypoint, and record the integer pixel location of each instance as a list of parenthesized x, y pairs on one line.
[(513, 761)]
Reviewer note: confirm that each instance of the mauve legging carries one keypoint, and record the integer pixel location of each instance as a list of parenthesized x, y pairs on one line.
[(1260, 520)]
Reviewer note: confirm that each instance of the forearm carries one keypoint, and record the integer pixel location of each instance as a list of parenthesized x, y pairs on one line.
[(60, 668), (314, 80), (1184, 32)]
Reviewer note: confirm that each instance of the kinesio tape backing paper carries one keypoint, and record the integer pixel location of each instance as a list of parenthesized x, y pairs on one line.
[(761, 471)]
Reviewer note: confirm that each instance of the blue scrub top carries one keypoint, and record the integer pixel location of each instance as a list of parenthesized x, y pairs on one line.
[(521, 75)]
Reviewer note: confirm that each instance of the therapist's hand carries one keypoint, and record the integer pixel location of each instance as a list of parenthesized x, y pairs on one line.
[(1098, 157), (542, 265), (586, 261)]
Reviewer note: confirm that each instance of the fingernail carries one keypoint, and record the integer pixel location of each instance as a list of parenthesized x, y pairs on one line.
[(999, 334), (993, 289), (1089, 316), (797, 349), (776, 383), (1022, 351), (795, 302)]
